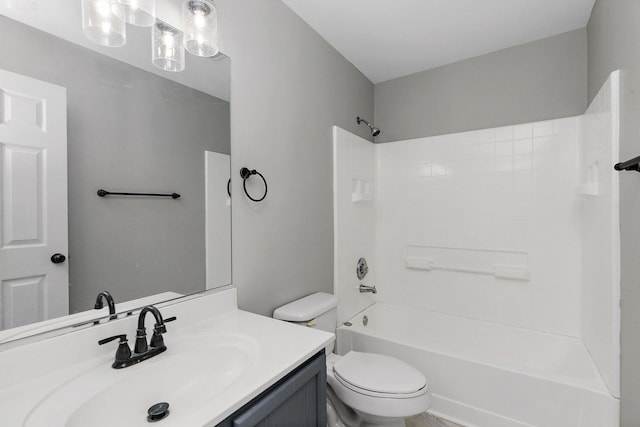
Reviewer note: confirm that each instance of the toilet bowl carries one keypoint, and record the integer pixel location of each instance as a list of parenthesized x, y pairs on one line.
[(365, 389), (381, 390)]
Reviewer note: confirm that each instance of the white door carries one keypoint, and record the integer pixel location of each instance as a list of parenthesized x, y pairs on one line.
[(33, 201)]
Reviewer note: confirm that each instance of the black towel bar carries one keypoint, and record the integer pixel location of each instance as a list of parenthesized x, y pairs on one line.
[(103, 193), (629, 165)]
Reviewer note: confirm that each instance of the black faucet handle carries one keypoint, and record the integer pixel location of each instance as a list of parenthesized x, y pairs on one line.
[(123, 352), (122, 338), (158, 330)]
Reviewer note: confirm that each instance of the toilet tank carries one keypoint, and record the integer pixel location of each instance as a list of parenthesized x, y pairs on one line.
[(317, 310)]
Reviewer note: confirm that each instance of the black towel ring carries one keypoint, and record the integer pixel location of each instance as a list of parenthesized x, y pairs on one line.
[(229, 187), (245, 173)]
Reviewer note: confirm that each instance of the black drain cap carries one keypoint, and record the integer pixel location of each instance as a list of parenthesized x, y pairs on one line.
[(158, 412)]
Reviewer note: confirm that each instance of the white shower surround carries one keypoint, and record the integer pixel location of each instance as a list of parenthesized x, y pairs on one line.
[(509, 189), (601, 232), (519, 189)]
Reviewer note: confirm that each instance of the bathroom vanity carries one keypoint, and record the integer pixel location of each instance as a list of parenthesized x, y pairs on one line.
[(297, 400), (222, 366), (134, 134)]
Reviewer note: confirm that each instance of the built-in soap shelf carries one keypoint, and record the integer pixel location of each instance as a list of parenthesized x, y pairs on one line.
[(589, 189), (511, 265), (361, 190), (590, 186)]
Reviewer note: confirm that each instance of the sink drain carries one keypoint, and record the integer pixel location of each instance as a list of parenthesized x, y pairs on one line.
[(158, 412)]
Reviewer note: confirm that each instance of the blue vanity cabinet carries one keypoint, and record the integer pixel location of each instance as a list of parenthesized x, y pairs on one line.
[(298, 400)]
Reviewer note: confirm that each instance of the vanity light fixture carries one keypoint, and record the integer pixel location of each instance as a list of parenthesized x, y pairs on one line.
[(137, 12), (200, 20), (168, 47), (101, 26), (104, 22)]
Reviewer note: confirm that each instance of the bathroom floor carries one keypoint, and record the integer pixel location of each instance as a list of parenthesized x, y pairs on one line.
[(428, 420)]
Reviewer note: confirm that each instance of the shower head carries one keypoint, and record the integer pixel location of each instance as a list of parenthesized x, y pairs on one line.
[(374, 130)]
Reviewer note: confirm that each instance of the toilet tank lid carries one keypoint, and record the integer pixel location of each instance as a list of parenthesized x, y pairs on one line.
[(307, 308)]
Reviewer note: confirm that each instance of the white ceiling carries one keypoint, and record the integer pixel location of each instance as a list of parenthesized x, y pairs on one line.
[(63, 19), (386, 39)]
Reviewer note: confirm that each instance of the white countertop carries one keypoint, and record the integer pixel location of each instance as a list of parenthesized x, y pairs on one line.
[(30, 373)]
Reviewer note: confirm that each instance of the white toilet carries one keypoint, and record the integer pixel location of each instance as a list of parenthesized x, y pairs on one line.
[(366, 389)]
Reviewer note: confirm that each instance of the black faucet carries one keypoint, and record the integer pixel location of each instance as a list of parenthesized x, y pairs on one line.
[(158, 330), (142, 351), (112, 305)]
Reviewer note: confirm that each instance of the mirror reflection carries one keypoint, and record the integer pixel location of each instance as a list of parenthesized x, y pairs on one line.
[(77, 118)]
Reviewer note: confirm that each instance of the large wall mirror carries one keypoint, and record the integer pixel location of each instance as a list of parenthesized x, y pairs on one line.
[(76, 117)]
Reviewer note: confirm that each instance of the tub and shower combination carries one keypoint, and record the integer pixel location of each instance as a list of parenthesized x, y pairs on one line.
[(484, 374), (497, 256)]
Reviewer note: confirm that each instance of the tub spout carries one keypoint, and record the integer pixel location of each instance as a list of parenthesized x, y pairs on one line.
[(365, 289)]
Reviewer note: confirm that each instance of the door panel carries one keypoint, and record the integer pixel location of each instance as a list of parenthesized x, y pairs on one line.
[(22, 299), (22, 216), (33, 200)]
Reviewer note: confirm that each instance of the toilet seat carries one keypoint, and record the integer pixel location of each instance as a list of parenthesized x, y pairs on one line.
[(380, 394), (378, 375), (370, 393)]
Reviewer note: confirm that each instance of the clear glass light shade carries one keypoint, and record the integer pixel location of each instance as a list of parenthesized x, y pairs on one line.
[(168, 47), (101, 26), (137, 12), (200, 20)]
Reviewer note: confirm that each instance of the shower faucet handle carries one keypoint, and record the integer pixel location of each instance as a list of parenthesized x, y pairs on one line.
[(362, 268)]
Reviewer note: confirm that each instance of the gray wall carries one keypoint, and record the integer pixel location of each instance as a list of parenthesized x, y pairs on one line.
[(614, 43), (127, 130), (541, 80), (288, 87)]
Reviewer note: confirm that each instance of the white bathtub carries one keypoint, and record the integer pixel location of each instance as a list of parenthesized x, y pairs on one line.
[(488, 375)]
